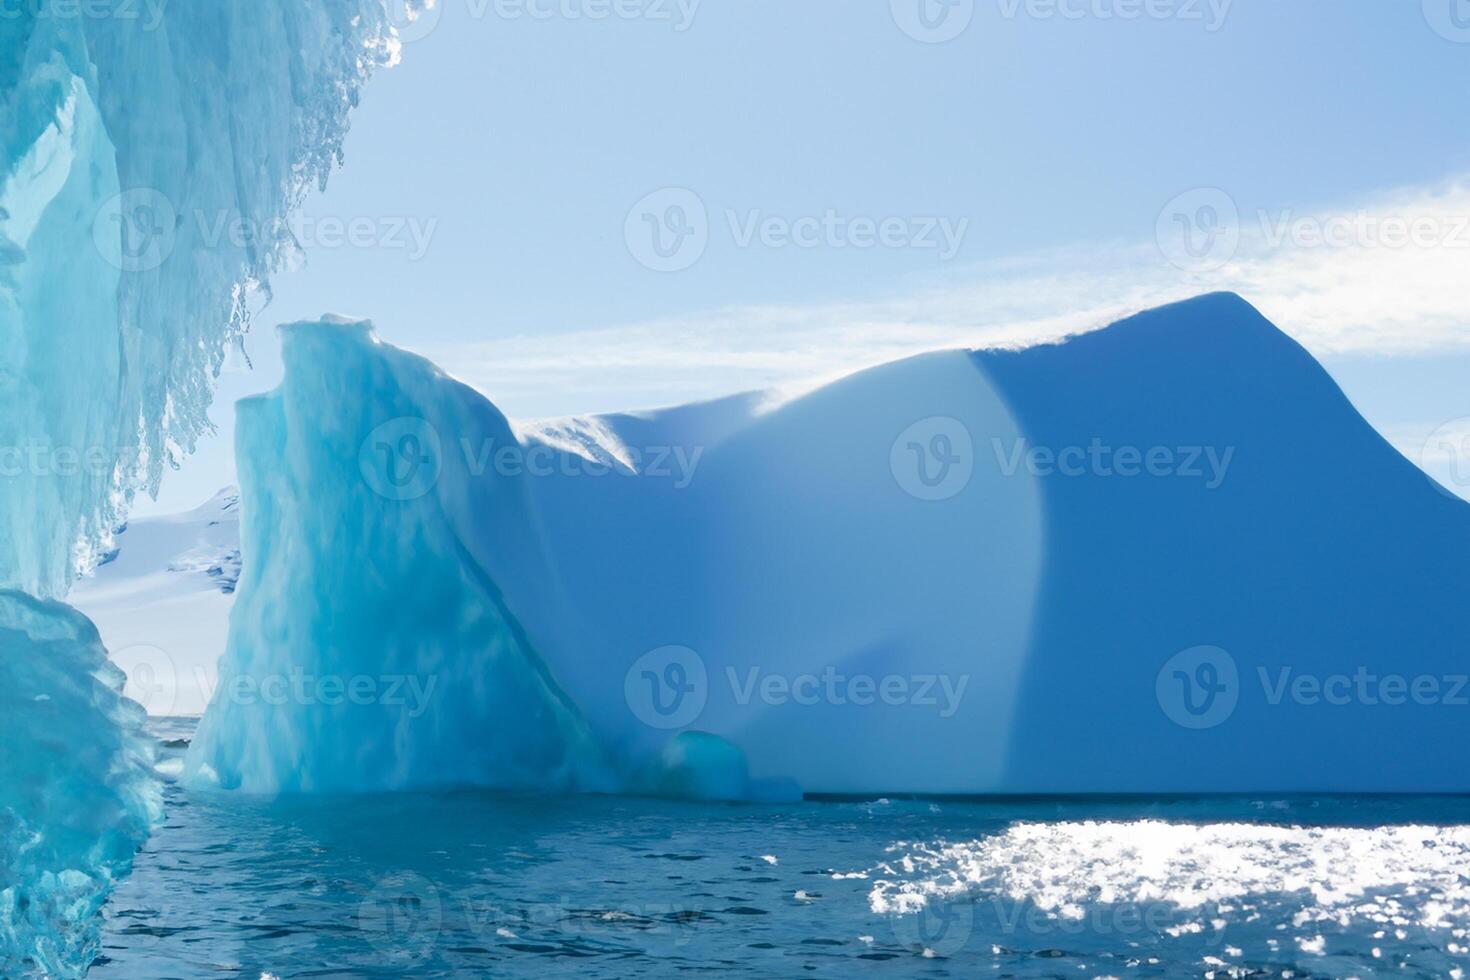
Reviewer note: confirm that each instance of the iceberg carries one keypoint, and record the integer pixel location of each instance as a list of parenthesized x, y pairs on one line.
[(1101, 565), (395, 525), (397, 662), (129, 133)]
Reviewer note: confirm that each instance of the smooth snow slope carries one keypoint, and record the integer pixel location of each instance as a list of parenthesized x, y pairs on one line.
[(882, 586), (161, 600), (1277, 568)]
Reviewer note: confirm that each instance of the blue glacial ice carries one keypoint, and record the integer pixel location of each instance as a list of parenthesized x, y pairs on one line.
[(375, 643), (1104, 565), (122, 144), (123, 140), (76, 793), (369, 649), (395, 525)]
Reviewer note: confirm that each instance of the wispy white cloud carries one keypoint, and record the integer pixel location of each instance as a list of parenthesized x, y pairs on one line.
[(1388, 275)]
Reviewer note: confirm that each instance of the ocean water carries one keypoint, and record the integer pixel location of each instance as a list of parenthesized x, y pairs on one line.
[(485, 884)]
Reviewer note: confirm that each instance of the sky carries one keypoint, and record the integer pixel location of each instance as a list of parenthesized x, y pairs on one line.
[(593, 205)]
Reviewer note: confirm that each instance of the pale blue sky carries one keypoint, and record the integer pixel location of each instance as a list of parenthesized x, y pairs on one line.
[(515, 147)]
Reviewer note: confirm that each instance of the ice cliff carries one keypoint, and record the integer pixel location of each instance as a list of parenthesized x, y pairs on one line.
[(1104, 565), (127, 132), (397, 650)]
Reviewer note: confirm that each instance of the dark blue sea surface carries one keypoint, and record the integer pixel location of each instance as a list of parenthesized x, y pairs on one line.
[(486, 884)]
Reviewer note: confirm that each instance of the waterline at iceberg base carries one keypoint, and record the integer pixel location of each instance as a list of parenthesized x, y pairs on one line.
[(938, 576)]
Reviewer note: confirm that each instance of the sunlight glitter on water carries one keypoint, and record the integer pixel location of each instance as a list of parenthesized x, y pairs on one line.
[(454, 884)]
